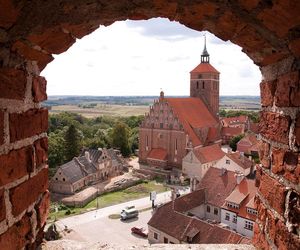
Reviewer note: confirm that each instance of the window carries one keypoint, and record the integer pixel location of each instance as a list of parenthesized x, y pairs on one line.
[(197, 85), (155, 235), (249, 225), (64, 179), (166, 240), (208, 209), (233, 205), (199, 76), (227, 216), (251, 211), (175, 144), (227, 161), (203, 85), (234, 219), (161, 125), (56, 179), (147, 141), (216, 211)]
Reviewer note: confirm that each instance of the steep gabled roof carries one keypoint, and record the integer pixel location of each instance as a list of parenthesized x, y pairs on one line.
[(228, 131), (187, 202), (227, 121), (158, 154), (192, 114), (72, 171), (209, 153), (240, 160), (204, 68)]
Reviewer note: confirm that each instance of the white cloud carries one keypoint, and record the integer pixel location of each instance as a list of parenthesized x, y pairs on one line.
[(140, 57)]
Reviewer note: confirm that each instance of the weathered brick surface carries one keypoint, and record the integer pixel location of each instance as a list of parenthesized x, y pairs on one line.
[(259, 239), (267, 91), (295, 46), (277, 160), (1, 127), (263, 152), (287, 90), (284, 239), (262, 211), (41, 148), (32, 54), (2, 205), (17, 236), (27, 124), (43, 209), (271, 226), (297, 130), (39, 85), (273, 192), (27, 192), (8, 13), (275, 127), (12, 83), (16, 164)]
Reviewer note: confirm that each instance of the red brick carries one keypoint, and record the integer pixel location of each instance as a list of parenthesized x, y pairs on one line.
[(15, 164), (43, 209), (53, 40), (275, 127), (259, 238), (248, 4), (17, 236), (262, 211), (27, 124), (26, 193), (258, 175), (291, 177), (295, 47), (297, 130), (1, 127), (277, 160), (12, 83), (273, 192), (271, 226), (267, 90), (2, 205), (263, 151), (32, 54), (39, 89), (287, 84), (41, 148), (8, 13), (285, 240)]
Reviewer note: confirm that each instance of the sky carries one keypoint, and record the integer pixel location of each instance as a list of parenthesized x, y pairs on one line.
[(144, 57)]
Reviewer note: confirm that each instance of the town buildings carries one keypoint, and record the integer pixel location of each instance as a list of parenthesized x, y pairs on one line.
[(94, 165), (174, 126), (248, 145)]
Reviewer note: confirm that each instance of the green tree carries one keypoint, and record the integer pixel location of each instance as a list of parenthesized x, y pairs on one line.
[(119, 138), (234, 141), (72, 143), (56, 154)]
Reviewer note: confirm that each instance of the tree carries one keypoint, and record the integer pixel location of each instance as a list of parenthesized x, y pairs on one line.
[(72, 143), (234, 141), (119, 138)]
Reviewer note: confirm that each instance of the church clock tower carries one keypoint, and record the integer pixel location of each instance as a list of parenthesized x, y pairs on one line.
[(204, 82)]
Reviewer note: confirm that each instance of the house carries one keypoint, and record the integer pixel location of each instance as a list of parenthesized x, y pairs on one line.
[(173, 126), (239, 211), (227, 133), (171, 224), (93, 165), (241, 121), (196, 163), (235, 162), (248, 145)]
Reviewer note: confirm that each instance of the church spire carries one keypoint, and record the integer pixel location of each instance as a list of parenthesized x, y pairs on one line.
[(204, 55)]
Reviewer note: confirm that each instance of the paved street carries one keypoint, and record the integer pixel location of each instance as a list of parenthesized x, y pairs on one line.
[(95, 226)]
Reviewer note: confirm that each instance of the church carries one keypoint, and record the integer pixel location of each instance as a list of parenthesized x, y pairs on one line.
[(175, 126)]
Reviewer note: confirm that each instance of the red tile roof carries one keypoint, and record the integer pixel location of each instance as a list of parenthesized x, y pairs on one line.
[(204, 68), (227, 121), (166, 219), (254, 127), (209, 153), (158, 154), (217, 186), (189, 201), (192, 114), (245, 189), (228, 131), (240, 159)]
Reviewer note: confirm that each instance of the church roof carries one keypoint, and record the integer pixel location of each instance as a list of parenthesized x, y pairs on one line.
[(193, 114), (204, 68), (158, 154)]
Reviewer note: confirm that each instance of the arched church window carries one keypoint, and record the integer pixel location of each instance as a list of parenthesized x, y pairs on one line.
[(197, 85), (203, 85)]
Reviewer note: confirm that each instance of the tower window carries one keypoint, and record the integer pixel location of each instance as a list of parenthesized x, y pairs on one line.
[(200, 76), (203, 85), (197, 85)]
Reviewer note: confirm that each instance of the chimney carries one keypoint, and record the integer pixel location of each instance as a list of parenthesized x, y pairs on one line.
[(87, 155), (239, 177)]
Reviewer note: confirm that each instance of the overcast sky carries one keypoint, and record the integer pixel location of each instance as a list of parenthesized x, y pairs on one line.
[(142, 57)]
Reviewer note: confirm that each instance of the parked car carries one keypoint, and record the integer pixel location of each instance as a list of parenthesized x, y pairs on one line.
[(129, 213), (140, 231)]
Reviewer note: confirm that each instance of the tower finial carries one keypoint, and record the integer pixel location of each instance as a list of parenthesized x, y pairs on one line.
[(204, 55)]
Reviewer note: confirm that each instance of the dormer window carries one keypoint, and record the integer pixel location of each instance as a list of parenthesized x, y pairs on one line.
[(232, 205), (251, 211)]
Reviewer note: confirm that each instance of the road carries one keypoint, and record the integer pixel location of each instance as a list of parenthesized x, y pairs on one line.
[(95, 226)]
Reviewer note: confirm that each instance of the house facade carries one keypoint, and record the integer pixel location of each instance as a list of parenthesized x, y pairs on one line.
[(174, 126), (91, 167)]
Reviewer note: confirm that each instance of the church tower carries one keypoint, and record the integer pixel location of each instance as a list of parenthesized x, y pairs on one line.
[(204, 82)]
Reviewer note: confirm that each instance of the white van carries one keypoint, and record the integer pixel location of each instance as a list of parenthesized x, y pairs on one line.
[(129, 212)]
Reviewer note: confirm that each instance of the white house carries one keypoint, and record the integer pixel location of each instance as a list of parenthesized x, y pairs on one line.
[(196, 163), (235, 162)]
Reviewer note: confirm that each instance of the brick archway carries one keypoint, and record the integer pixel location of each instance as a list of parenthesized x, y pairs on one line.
[(268, 32)]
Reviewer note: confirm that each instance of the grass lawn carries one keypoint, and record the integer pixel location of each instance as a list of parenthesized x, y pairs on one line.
[(109, 199)]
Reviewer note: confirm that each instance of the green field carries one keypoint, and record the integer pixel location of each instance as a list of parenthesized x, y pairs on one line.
[(102, 109), (109, 199)]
